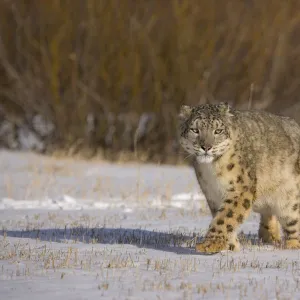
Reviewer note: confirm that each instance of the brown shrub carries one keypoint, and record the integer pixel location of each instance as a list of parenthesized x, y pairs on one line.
[(119, 59)]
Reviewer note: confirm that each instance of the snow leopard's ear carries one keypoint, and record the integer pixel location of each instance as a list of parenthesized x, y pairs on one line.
[(225, 109), (184, 112)]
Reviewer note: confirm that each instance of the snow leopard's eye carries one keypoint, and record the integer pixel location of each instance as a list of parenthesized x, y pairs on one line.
[(195, 130), (218, 131)]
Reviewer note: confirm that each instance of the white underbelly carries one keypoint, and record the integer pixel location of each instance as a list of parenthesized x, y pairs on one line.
[(276, 201)]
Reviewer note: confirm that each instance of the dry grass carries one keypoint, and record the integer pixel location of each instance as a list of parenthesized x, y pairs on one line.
[(35, 251), (119, 59)]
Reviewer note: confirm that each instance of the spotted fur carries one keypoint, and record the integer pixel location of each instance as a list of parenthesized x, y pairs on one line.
[(244, 161)]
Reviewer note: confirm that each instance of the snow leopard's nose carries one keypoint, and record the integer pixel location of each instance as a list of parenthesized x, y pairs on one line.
[(206, 148)]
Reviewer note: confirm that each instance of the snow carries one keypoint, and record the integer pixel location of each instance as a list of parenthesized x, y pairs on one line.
[(72, 229), (67, 202)]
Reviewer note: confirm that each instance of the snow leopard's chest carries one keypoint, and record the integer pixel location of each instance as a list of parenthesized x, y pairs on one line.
[(213, 184)]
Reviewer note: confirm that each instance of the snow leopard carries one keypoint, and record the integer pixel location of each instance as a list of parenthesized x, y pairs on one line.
[(244, 161)]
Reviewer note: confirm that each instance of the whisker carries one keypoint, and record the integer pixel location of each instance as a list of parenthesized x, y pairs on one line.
[(187, 157)]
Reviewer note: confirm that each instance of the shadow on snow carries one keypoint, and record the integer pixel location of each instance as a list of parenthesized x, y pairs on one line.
[(176, 242)]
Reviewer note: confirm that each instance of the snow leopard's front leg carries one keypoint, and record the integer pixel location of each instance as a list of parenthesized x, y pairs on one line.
[(234, 210)]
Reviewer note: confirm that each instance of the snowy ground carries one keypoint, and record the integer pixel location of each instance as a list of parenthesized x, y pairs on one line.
[(92, 230)]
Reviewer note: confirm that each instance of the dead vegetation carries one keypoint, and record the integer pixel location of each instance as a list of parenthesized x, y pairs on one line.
[(111, 73), (65, 251)]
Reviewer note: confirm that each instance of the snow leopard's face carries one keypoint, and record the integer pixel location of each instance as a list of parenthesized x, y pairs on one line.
[(204, 130)]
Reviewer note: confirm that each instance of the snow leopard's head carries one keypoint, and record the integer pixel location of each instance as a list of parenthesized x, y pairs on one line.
[(204, 130)]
